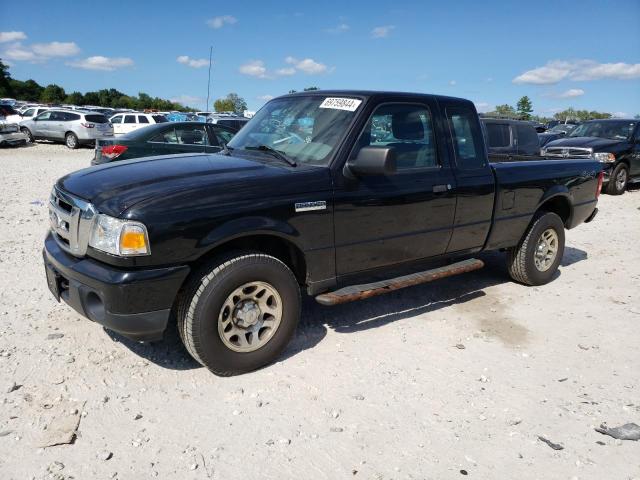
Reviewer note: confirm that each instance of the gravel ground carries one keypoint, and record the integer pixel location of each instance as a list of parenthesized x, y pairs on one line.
[(455, 378)]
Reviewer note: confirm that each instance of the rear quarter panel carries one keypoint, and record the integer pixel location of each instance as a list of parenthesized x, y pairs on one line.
[(523, 187)]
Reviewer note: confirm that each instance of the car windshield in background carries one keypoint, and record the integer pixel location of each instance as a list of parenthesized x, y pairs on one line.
[(561, 128), (304, 129), (159, 118), (615, 130), (96, 118)]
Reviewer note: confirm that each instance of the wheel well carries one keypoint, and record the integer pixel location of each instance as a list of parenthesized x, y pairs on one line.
[(558, 205), (277, 247)]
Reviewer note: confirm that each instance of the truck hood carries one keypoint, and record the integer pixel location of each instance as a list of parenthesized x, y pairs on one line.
[(115, 187), (598, 144)]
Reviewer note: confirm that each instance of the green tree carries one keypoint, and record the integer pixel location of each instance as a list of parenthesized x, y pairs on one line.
[(231, 103), (74, 98), (309, 89), (292, 91), (29, 90), (524, 108), (6, 89), (53, 93), (637, 116), (505, 110)]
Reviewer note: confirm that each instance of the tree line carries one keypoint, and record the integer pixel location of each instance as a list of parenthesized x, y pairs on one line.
[(32, 91), (524, 108)]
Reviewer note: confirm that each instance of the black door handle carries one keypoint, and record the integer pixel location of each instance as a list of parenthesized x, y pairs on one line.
[(441, 188)]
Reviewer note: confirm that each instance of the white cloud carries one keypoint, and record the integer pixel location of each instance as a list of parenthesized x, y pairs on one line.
[(266, 98), (308, 65), (257, 68), (188, 100), (340, 28), (572, 92), (20, 53), (579, 70), (254, 68), (620, 115), (286, 71), (55, 49), (221, 21), (453, 83), (99, 62), (192, 62), (382, 32), (483, 107), (12, 36)]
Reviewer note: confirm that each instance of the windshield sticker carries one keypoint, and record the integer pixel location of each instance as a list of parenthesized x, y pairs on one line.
[(349, 104)]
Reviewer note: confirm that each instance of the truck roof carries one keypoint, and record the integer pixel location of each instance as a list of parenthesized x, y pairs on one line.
[(376, 93)]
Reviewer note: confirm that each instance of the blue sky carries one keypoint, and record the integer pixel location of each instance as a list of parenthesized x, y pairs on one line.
[(584, 54)]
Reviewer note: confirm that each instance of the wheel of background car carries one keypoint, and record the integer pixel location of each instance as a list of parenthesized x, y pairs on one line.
[(618, 180), (28, 133), (71, 141), (239, 313), (535, 259)]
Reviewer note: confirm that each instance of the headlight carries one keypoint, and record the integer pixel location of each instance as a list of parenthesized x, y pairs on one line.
[(604, 157), (124, 238)]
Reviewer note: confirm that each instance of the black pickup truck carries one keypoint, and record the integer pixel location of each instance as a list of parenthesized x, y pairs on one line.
[(614, 142), (341, 194)]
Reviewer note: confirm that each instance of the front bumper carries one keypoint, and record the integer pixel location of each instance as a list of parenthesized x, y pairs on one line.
[(134, 303), (14, 138)]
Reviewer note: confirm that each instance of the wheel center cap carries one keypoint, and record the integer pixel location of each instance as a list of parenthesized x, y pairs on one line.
[(247, 314)]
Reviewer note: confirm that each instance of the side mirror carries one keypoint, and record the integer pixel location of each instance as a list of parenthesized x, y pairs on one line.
[(35, 119), (373, 161)]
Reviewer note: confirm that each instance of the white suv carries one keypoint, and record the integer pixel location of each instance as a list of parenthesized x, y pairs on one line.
[(130, 121)]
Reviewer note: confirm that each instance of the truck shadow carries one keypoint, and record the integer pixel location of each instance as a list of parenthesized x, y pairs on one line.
[(359, 316)]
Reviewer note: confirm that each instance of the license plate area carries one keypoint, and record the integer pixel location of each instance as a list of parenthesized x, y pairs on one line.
[(53, 281)]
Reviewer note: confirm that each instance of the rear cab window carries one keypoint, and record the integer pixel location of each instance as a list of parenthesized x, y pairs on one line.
[(464, 128)]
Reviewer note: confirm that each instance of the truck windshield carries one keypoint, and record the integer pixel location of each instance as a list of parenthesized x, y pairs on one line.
[(304, 129), (613, 129)]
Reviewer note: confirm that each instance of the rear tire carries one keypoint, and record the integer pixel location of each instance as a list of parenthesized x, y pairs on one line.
[(71, 140), (536, 258), (618, 180), (239, 313)]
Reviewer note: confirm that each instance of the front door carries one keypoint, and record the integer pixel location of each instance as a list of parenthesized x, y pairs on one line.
[(386, 220), (40, 127)]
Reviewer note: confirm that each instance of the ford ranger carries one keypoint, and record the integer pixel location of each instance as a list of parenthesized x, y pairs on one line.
[(340, 194)]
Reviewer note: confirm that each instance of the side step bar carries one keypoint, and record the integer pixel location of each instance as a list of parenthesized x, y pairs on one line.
[(360, 292)]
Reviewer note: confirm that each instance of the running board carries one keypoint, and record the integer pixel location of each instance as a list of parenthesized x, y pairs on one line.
[(367, 290)]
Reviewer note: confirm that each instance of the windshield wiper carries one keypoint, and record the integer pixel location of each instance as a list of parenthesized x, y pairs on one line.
[(276, 153), (226, 150)]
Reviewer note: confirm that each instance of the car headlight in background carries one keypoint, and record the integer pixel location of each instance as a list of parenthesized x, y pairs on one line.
[(124, 238), (604, 157)]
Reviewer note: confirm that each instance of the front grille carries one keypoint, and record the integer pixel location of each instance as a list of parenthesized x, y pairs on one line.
[(71, 221), (568, 152)]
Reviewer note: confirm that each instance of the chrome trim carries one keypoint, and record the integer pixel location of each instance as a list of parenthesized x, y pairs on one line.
[(568, 152), (75, 225)]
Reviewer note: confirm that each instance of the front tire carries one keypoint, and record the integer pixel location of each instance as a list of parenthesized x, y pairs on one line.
[(71, 140), (28, 133), (537, 257), (240, 313), (618, 180)]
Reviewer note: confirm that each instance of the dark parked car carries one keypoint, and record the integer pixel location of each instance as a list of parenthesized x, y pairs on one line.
[(614, 142), (164, 139), (554, 133), (510, 140), (228, 242)]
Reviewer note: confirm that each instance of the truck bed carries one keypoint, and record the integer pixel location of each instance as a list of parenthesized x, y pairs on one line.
[(521, 187)]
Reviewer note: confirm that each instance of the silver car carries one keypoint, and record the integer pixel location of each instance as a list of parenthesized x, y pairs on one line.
[(73, 127)]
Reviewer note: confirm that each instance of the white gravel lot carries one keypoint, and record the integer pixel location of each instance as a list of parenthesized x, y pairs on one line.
[(374, 390)]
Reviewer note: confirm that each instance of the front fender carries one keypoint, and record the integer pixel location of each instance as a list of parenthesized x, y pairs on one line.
[(248, 226)]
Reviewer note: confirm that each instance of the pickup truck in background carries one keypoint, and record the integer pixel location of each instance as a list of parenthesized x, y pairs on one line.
[(510, 140), (614, 142), (341, 194)]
